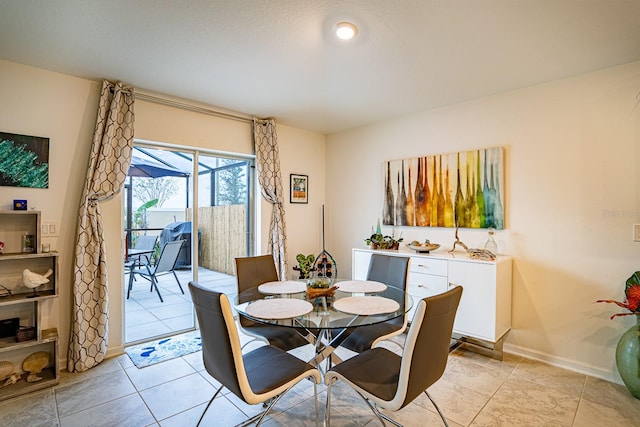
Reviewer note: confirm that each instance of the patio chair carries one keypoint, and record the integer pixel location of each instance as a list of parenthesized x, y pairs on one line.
[(166, 264), (143, 243), (252, 272), (263, 375), (387, 380), (392, 271)]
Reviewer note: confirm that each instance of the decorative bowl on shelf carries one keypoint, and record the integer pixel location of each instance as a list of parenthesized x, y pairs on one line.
[(423, 247)]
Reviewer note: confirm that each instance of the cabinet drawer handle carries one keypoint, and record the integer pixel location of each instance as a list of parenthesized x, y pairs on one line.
[(421, 286), (451, 285), (423, 266)]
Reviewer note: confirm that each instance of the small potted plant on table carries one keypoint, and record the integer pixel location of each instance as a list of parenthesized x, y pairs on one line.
[(305, 266)]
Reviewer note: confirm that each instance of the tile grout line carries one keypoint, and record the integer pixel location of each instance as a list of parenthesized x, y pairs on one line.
[(584, 387), (493, 394)]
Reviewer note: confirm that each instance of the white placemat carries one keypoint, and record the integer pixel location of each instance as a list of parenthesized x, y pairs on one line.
[(361, 286), (282, 287), (366, 305), (278, 308)]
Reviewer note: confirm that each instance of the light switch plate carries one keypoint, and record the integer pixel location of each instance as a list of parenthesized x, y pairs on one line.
[(636, 232), (50, 228)]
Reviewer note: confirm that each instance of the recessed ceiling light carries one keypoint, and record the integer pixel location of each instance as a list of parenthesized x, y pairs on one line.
[(346, 30)]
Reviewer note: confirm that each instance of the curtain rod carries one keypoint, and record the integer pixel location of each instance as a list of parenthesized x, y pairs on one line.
[(189, 107)]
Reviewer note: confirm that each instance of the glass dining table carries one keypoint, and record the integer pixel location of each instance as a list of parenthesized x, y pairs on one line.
[(324, 321)]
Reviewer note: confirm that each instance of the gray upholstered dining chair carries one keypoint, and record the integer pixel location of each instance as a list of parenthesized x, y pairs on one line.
[(252, 272), (165, 264), (264, 374), (392, 271), (384, 379)]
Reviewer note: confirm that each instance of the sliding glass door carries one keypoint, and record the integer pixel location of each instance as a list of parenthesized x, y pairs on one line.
[(198, 198)]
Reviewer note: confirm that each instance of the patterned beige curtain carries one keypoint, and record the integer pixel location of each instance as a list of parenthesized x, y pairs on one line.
[(270, 180), (108, 165)]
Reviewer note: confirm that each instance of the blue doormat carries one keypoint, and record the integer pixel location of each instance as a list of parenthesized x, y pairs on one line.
[(153, 352)]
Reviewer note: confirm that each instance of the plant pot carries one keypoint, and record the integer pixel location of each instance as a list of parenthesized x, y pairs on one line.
[(628, 358)]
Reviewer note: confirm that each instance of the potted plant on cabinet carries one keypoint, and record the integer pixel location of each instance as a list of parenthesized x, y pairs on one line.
[(378, 241)]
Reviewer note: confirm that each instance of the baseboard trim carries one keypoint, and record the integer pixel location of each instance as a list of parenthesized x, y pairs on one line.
[(571, 365), (114, 351), (111, 352)]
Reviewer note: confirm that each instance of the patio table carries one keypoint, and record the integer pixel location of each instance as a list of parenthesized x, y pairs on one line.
[(134, 257)]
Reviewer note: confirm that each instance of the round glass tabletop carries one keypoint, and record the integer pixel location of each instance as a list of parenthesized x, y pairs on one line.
[(325, 313)]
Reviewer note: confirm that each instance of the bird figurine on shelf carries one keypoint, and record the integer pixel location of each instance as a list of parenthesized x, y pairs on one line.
[(32, 280)]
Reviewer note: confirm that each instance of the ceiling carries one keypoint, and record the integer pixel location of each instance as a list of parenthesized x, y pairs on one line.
[(278, 58)]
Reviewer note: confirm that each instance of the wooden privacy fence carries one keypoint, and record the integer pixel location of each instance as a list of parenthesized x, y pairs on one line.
[(223, 236)]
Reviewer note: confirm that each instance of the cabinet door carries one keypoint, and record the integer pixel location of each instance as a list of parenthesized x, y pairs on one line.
[(424, 285), (360, 265), (426, 265), (476, 316)]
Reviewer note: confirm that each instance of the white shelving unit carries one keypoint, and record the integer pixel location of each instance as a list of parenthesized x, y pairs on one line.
[(24, 303)]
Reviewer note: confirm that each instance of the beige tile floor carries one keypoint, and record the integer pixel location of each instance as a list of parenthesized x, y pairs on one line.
[(474, 391)]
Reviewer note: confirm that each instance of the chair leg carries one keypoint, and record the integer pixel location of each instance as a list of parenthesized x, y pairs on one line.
[(208, 404), (384, 417), (130, 283), (179, 285), (379, 414), (154, 284), (260, 417), (437, 409), (327, 408), (315, 396)]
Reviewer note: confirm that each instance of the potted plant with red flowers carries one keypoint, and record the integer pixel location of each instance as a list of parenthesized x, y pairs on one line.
[(628, 349)]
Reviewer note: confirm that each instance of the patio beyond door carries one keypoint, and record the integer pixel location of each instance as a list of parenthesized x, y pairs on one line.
[(160, 194)]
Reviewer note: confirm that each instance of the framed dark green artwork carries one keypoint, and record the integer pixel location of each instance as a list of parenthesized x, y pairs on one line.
[(24, 161)]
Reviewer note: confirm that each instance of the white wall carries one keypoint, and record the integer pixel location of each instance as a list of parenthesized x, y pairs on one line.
[(301, 152), (572, 195), (63, 108)]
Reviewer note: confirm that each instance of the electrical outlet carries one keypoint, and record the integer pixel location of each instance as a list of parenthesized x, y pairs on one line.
[(636, 232), (50, 228)]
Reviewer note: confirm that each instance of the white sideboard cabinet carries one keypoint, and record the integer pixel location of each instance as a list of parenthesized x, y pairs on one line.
[(484, 314)]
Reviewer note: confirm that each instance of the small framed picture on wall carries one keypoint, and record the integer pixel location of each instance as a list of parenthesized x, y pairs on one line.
[(299, 188)]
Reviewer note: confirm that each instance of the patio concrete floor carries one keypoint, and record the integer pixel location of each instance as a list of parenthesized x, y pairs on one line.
[(146, 317)]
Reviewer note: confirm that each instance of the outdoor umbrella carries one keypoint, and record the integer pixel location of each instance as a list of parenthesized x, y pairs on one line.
[(148, 168)]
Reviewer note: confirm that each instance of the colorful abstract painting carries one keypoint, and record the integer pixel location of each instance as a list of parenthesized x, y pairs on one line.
[(463, 189), (24, 161)]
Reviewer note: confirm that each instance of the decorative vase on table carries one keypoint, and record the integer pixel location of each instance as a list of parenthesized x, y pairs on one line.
[(628, 358)]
